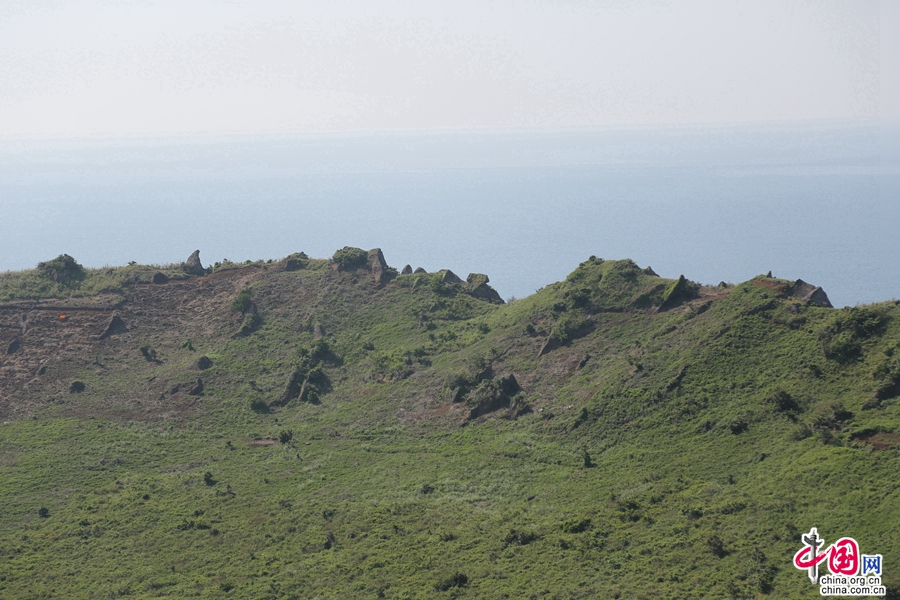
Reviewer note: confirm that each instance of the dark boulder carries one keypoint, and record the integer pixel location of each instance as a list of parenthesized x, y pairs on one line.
[(160, 278), (549, 346), (114, 326), (407, 270), (649, 271), (420, 270), (203, 363), (13, 346), (192, 265), (197, 388)]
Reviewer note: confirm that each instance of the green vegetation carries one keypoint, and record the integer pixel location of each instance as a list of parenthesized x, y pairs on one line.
[(348, 258), (616, 434), (63, 277)]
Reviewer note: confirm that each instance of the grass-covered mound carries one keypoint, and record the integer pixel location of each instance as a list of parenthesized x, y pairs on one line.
[(616, 434)]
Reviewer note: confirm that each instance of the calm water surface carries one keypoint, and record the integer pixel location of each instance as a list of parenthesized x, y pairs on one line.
[(814, 201)]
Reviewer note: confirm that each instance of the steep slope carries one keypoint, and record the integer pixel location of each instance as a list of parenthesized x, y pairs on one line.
[(330, 428)]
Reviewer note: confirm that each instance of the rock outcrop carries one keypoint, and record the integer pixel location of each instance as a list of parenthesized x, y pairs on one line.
[(420, 270), (197, 388), (407, 270), (202, 363), (649, 271), (477, 286), (114, 326), (448, 276), (193, 266), (160, 278), (378, 266), (810, 294)]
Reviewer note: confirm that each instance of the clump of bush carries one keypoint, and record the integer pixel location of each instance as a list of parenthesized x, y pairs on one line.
[(349, 258), (457, 580), (569, 326), (63, 270), (783, 402), (258, 406), (717, 546), (250, 323), (842, 337), (519, 538), (243, 302), (575, 525), (309, 379), (828, 418), (398, 364)]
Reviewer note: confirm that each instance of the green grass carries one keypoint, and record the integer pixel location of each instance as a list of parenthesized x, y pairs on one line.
[(718, 430)]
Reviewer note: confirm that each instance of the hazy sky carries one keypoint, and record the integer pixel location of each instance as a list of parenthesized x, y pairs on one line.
[(121, 67)]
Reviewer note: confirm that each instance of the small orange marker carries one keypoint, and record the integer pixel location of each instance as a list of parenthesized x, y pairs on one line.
[(62, 317)]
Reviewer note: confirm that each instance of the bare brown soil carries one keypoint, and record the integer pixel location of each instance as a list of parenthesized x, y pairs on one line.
[(880, 441), (52, 350)]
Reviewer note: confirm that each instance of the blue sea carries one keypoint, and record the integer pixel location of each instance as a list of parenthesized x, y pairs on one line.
[(817, 201)]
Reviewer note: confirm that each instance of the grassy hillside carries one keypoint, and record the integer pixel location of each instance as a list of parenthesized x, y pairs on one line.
[(332, 429)]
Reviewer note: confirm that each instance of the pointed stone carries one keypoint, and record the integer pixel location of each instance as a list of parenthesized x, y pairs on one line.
[(378, 266), (193, 266), (114, 326)]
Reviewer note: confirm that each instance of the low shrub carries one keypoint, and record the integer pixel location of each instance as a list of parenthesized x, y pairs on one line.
[(349, 258)]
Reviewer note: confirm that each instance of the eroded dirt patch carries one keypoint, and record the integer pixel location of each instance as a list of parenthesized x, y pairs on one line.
[(880, 441)]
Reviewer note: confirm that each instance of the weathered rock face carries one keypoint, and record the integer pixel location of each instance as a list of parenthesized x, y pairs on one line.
[(160, 278), (448, 276), (114, 326), (810, 294), (192, 265), (407, 270), (551, 344), (477, 286), (420, 270), (649, 271), (378, 266)]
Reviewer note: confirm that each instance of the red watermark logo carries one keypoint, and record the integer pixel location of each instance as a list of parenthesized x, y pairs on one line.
[(852, 573)]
